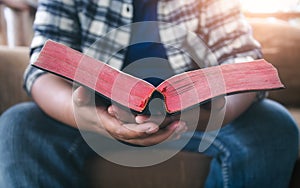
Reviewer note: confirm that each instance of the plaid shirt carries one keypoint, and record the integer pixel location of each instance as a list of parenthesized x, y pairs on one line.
[(195, 33)]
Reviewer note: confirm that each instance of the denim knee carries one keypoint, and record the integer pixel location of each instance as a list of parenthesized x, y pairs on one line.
[(14, 120), (16, 143), (258, 149), (38, 151), (280, 118)]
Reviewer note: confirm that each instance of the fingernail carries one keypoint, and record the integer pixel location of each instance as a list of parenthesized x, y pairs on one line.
[(110, 110), (140, 119), (181, 128), (152, 130), (173, 126)]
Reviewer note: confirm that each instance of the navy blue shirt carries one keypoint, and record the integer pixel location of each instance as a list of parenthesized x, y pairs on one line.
[(146, 59)]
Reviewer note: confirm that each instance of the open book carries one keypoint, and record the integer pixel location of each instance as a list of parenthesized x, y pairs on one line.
[(179, 92)]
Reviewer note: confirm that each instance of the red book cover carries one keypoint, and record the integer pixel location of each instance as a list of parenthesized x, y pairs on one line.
[(180, 92)]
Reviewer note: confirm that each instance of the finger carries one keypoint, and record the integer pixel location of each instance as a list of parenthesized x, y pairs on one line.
[(117, 129), (181, 128), (153, 118), (149, 127), (121, 114), (160, 136), (81, 96), (111, 111), (141, 118)]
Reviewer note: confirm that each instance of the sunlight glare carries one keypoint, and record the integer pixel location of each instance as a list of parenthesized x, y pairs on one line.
[(269, 6)]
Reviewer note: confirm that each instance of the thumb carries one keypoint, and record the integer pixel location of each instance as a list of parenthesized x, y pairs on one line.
[(81, 96)]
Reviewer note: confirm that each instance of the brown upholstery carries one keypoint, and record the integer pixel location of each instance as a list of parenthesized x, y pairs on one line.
[(12, 65), (182, 170)]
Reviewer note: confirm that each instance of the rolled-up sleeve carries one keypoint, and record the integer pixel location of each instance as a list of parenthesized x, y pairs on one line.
[(227, 32), (56, 20)]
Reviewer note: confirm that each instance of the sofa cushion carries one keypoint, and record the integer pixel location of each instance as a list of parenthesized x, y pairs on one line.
[(12, 65)]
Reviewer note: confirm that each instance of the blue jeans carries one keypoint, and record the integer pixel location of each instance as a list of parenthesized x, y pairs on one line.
[(258, 149)]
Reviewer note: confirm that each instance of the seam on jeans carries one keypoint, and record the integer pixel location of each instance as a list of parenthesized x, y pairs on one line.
[(74, 145), (217, 144)]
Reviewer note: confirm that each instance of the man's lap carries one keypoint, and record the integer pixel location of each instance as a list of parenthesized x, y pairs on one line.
[(264, 131)]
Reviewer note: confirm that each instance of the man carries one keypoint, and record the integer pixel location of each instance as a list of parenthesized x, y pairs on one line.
[(125, 34)]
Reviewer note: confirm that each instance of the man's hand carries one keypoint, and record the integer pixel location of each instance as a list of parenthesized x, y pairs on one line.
[(136, 120), (97, 118)]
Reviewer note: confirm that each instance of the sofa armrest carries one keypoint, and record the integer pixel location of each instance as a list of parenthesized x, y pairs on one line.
[(280, 45), (13, 62)]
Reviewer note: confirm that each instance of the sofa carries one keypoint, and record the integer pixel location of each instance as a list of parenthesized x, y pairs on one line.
[(280, 44)]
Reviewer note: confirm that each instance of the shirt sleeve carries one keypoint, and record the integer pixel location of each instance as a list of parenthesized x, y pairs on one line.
[(227, 32), (56, 20)]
